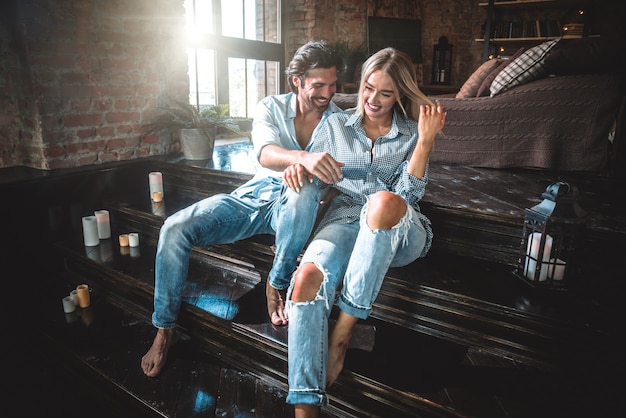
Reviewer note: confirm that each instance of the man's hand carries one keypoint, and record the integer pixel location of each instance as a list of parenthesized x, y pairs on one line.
[(320, 165)]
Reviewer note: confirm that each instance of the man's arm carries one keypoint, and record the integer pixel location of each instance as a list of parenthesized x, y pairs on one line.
[(300, 166)]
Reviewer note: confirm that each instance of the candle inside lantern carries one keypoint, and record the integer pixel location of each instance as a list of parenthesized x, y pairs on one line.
[(557, 268), (532, 256)]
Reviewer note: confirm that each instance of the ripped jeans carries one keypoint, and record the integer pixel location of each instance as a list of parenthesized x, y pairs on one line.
[(355, 258)]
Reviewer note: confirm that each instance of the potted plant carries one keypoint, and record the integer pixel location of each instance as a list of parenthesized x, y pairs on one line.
[(197, 129), (350, 57)]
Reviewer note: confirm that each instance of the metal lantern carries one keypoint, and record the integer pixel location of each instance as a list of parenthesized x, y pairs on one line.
[(547, 258), (442, 61)]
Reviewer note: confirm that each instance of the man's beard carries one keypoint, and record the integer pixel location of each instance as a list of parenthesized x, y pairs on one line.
[(314, 105)]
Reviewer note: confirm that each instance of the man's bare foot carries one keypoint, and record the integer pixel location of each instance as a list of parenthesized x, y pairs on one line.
[(275, 305), (153, 361)]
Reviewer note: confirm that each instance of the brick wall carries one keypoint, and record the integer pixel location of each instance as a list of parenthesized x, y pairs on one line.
[(81, 77)]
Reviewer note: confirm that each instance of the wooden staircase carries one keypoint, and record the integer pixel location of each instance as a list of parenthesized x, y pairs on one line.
[(461, 299)]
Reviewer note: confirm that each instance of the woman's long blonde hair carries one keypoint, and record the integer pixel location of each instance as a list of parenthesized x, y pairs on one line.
[(399, 67)]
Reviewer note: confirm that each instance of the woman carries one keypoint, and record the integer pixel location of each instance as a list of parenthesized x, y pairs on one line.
[(372, 223)]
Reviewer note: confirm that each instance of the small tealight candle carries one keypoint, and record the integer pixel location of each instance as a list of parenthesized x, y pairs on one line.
[(157, 196), (124, 240), (133, 239)]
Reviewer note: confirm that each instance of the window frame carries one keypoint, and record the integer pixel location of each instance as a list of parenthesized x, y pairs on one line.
[(226, 47)]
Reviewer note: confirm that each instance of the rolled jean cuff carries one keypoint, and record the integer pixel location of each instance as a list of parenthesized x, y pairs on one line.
[(162, 325), (351, 309), (307, 397)]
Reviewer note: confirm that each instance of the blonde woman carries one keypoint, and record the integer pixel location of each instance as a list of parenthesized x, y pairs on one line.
[(373, 222)]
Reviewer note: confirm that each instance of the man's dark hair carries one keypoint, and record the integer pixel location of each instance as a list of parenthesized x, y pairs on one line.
[(314, 54)]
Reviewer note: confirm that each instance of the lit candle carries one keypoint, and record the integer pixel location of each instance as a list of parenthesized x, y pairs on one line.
[(123, 240), (104, 225), (557, 269), (156, 183), (532, 256)]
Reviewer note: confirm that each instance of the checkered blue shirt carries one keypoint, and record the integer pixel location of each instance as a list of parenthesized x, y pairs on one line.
[(369, 169)]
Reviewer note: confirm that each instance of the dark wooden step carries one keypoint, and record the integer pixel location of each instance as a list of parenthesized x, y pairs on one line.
[(460, 299), (245, 339)]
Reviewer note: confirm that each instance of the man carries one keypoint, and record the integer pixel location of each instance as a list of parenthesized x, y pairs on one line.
[(282, 129)]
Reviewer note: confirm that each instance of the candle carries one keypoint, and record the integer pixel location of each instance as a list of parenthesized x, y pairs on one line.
[(84, 299), (90, 231), (156, 183), (133, 239), (104, 226), (68, 304), (123, 240), (532, 256), (157, 196), (557, 269)]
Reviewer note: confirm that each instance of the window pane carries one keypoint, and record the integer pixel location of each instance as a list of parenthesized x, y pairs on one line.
[(256, 20), (202, 22), (271, 22), (249, 81), (201, 77), (232, 18)]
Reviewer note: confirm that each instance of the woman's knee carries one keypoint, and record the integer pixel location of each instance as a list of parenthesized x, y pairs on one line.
[(307, 282), (384, 210)]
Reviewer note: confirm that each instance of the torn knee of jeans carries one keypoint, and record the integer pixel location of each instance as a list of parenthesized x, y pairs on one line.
[(321, 294)]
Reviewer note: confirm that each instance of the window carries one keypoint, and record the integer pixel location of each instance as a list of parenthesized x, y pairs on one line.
[(235, 52)]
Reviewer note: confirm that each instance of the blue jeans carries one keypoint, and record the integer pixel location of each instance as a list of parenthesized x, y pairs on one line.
[(355, 258), (221, 219)]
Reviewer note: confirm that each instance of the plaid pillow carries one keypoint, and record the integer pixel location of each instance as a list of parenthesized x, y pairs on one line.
[(527, 67)]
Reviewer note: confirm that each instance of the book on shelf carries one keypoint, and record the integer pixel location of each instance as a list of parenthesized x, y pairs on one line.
[(506, 29)]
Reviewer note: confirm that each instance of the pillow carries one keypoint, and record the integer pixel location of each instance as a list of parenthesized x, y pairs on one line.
[(483, 90), (470, 87), (584, 56), (527, 67)]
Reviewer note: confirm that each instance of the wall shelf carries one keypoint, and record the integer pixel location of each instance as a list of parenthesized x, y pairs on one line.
[(510, 28)]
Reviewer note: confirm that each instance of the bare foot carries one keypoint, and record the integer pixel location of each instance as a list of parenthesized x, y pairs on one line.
[(337, 348), (306, 411), (275, 305), (338, 342), (153, 361)]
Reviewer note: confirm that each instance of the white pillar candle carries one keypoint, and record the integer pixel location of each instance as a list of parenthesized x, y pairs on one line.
[(90, 231), (532, 256), (104, 224), (133, 239), (156, 183)]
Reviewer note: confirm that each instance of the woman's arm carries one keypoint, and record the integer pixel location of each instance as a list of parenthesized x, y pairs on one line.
[(431, 121)]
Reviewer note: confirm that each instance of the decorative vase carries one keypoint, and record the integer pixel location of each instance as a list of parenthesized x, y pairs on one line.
[(196, 145)]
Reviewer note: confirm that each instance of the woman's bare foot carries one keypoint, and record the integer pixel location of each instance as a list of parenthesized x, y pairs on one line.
[(338, 346), (275, 305), (306, 411), (153, 361)]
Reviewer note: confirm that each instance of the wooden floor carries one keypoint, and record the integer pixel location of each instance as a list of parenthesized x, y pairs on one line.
[(87, 363)]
